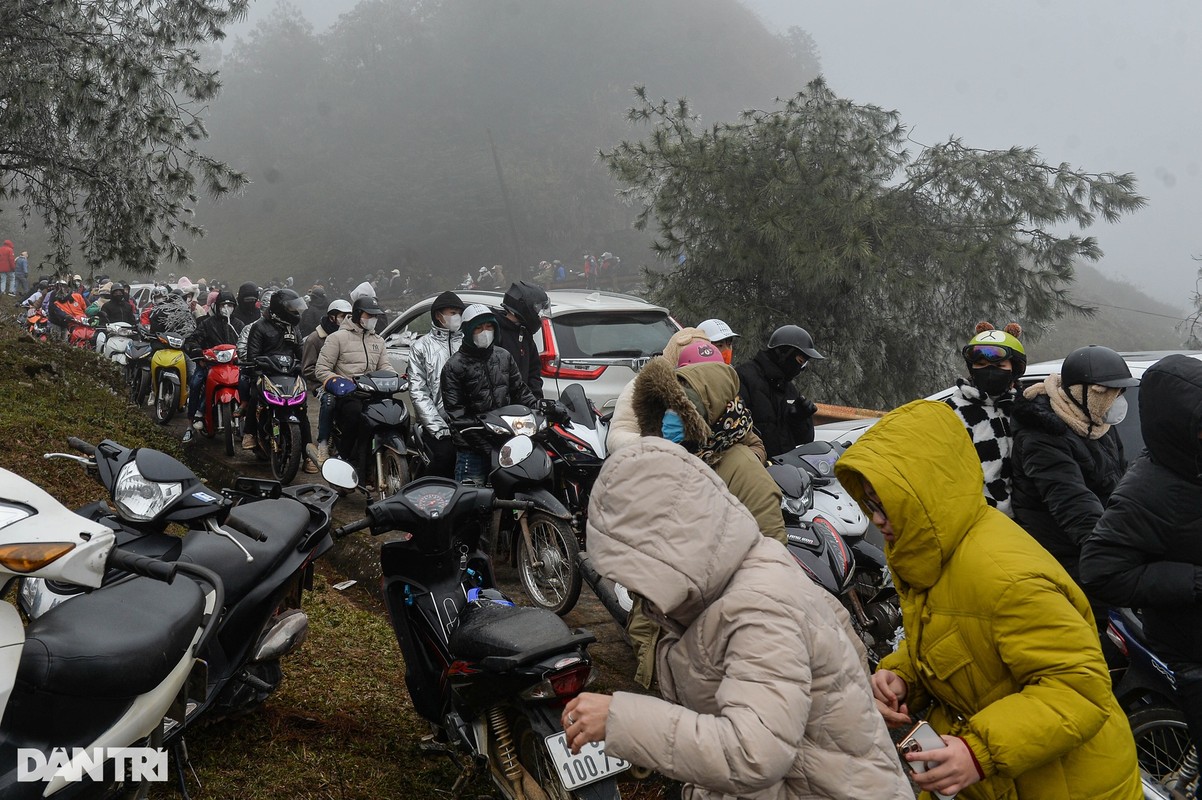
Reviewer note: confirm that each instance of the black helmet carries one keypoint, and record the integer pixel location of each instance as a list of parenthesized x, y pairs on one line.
[(286, 307), (1096, 365), (526, 302), (365, 305), (797, 338)]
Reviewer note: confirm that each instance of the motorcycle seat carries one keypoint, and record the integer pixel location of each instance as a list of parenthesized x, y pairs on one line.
[(118, 641), (284, 521), (497, 630)]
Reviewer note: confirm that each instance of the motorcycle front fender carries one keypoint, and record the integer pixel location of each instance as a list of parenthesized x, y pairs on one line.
[(544, 501), (391, 441), (868, 555), (170, 376), (226, 394)]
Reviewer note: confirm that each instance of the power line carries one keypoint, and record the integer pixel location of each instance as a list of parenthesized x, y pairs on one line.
[(1135, 310)]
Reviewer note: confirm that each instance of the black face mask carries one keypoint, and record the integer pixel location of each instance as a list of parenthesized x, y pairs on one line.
[(785, 359), (993, 381)]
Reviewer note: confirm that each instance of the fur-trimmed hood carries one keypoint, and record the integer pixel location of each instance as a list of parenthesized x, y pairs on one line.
[(657, 390)]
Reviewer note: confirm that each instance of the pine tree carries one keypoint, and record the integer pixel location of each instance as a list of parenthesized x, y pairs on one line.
[(817, 213), (100, 124)]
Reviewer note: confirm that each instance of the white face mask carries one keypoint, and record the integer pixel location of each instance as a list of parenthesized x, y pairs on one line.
[(452, 322), (369, 324), (227, 311), (1117, 412), (482, 339)]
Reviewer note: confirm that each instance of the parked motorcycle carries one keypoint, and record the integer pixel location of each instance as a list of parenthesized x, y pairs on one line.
[(394, 456), (540, 541), (1147, 690), (137, 368), (104, 671), (830, 500), (38, 325), (282, 395), (168, 377), (260, 538), (489, 677), (81, 333), (112, 341), (221, 400), (849, 567)]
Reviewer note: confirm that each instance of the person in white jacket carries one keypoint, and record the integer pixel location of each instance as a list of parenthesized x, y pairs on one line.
[(427, 357)]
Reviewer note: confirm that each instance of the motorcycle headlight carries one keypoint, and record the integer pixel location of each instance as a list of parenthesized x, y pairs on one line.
[(12, 512), (794, 505), (522, 426), (142, 500)]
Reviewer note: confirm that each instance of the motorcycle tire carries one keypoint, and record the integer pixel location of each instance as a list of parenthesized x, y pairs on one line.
[(533, 756), (284, 448), (133, 377), (165, 401), (394, 474), (1163, 746), (226, 425), (554, 584)]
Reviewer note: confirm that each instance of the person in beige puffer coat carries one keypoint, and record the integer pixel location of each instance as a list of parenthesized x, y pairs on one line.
[(764, 695)]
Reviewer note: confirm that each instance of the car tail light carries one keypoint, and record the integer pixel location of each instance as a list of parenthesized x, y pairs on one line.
[(551, 366)]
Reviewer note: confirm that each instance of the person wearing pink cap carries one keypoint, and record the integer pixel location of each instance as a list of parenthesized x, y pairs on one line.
[(699, 353)]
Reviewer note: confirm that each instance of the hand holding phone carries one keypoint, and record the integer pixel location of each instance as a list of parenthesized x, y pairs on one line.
[(922, 737)]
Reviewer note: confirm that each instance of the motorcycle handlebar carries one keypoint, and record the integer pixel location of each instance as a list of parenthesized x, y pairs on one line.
[(248, 530), (515, 505), (82, 446), (142, 565), (348, 529)]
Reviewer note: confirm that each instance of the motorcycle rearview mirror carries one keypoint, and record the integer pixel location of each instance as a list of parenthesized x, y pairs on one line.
[(515, 451), (339, 474)]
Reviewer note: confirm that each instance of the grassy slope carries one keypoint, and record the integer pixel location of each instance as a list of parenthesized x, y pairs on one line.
[(341, 726)]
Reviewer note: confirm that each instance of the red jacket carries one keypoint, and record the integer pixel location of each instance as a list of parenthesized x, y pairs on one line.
[(8, 260)]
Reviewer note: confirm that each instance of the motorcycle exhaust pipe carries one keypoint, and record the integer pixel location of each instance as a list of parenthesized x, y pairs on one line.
[(285, 635), (603, 587)]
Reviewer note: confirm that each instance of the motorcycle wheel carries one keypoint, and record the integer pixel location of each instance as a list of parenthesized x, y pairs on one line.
[(1163, 747), (164, 401), (554, 584), (394, 474), (534, 758), (133, 377), (225, 421), (284, 451)]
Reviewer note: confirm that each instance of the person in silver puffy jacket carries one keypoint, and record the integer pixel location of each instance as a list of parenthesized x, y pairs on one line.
[(427, 357)]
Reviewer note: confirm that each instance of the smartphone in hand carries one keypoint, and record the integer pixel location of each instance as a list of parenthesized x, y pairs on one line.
[(920, 738)]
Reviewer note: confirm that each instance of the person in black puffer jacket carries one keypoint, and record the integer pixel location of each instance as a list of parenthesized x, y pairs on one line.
[(783, 417), (479, 378), (1067, 457), (1146, 551), (213, 329), (518, 319)]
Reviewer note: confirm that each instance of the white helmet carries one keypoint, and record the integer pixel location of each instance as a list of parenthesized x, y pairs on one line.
[(716, 330), (339, 307)]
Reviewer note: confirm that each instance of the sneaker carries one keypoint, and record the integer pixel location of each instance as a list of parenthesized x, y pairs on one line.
[(189, 435), (323, 453), (248, 441), (198, 424), (310, 467)]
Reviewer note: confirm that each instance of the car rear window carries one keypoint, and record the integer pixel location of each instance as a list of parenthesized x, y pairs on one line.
[(601, 334)]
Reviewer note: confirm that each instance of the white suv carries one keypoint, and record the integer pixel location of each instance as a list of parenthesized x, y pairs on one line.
[(597, 339)]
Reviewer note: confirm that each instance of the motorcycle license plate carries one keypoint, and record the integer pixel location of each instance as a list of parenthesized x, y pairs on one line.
[(590, 765)]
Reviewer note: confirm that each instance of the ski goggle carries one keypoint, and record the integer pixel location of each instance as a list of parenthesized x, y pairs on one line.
[(988, 353)]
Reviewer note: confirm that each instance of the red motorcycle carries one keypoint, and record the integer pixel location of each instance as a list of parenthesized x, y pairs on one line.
[(221, 394), (81, 333)]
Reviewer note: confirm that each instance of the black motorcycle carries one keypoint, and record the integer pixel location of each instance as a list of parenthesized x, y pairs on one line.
[(282, 394), (393, 455), (261, 539), (539, 537), (488, 676), (1147, 689), (849, 567)]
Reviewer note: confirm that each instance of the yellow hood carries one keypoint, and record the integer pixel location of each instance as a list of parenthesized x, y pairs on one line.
[(922, 464)]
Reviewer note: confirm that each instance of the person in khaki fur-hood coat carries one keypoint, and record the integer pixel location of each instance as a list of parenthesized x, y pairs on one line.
[(764, 696)]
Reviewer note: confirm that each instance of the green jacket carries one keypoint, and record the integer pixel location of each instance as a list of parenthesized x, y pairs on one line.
[(1000, 643)]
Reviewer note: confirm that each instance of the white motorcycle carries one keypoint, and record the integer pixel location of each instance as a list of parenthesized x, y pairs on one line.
[(112, 341), (90, 679)]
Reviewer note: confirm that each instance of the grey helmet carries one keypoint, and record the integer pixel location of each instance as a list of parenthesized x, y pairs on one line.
[(796, 337)]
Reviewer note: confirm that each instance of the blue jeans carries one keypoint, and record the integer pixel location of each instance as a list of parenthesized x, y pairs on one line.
[(20, 282), (471, 465), (4, 276), (196, 388)]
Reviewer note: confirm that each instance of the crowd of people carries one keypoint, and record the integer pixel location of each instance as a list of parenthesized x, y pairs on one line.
[(1011, 524)]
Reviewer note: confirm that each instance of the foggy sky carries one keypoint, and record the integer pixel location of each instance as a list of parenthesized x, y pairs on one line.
[(1106, 85)]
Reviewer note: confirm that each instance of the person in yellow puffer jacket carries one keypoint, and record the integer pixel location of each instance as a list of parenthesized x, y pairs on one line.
[(1000, 650)]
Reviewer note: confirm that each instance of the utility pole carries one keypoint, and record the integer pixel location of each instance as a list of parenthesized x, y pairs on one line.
[(519, 265)]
